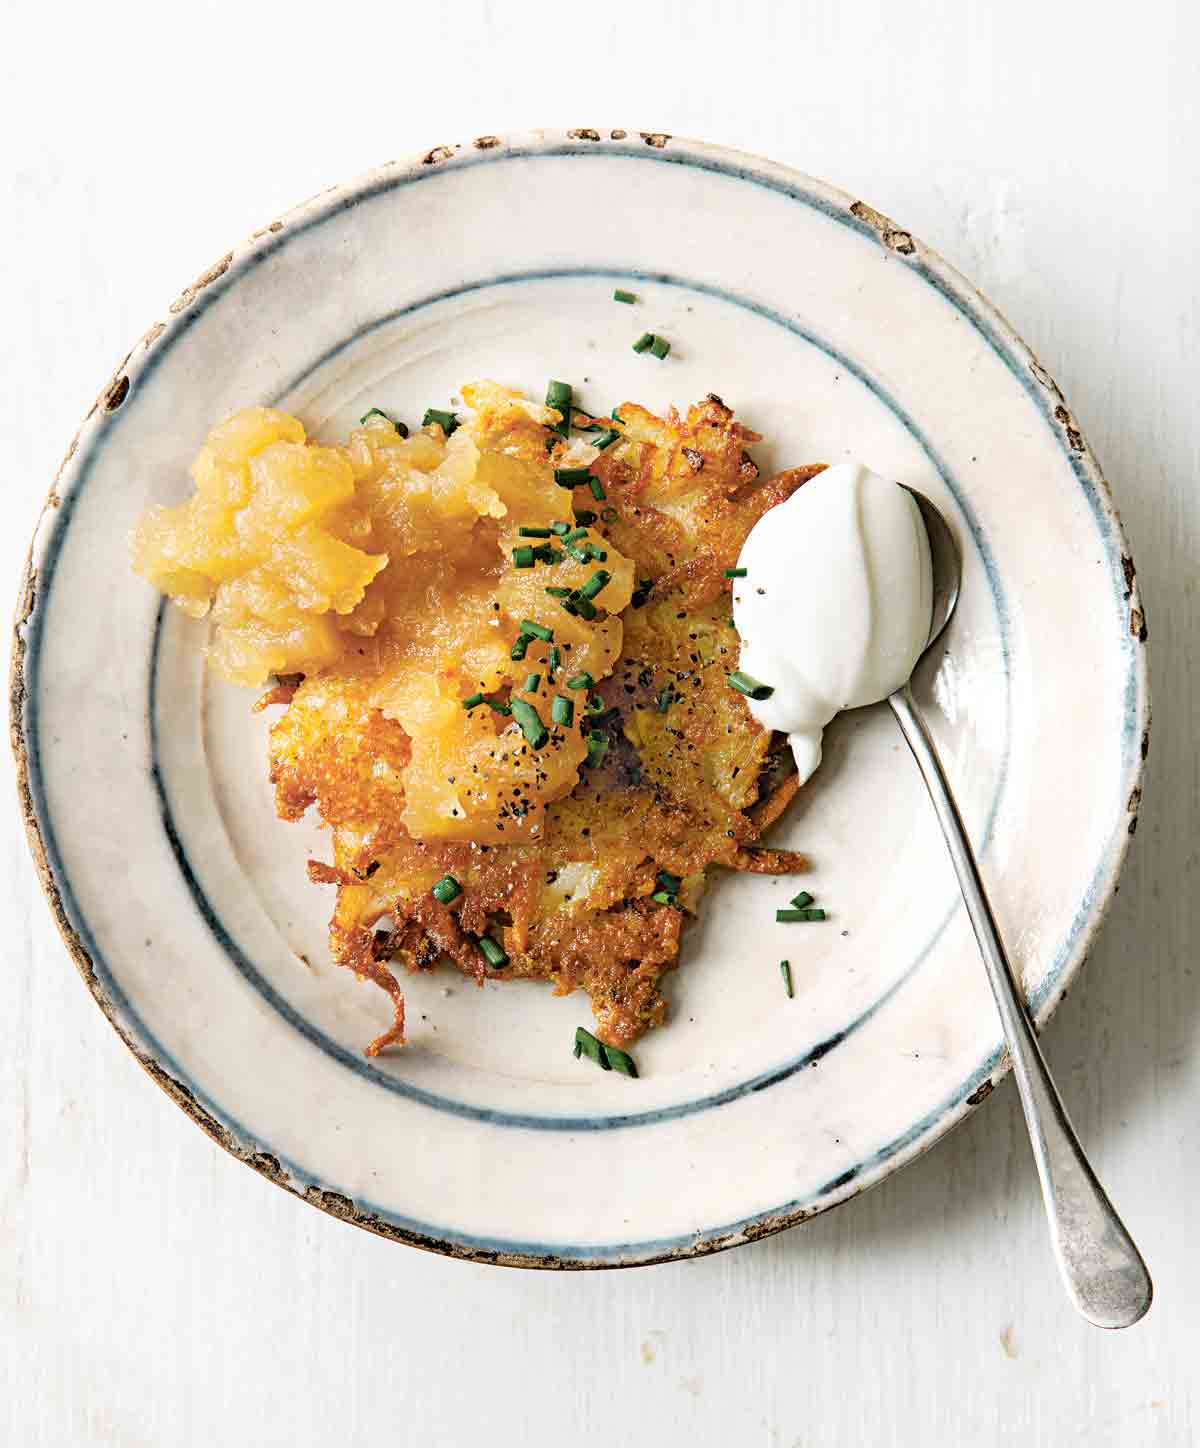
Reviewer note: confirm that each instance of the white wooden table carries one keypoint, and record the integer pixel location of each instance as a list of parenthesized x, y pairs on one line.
[(152, 1292)]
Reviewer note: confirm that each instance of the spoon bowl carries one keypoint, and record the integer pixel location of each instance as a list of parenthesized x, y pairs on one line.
[(945, 564)]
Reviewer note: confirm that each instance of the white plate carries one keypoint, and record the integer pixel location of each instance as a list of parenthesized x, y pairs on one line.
[(185, 901)]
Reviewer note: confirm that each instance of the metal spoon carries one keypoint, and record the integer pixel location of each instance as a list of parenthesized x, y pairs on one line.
[(1102, 1269)]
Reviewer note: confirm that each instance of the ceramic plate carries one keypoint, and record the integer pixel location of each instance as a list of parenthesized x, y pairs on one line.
[(834, 333)]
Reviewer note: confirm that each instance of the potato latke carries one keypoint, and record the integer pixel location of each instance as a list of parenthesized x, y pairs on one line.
[(574, 787)]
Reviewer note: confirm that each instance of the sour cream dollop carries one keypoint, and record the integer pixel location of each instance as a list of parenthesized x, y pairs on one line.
[(835, 607)]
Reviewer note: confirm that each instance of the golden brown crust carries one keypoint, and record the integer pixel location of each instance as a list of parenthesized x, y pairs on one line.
[(771, 862), (327, 750), (771, 806), (688, 780), (439, 925)]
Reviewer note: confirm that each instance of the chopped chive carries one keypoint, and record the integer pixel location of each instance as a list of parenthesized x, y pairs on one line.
[(644, 342), (523, 556), (606, 438), (730, 622), (553, 662), (562, 710), (534, 533), (537, 630), (666, 881), (596, 705), (585, 516), (660, 347), (591, 425), (447, 421), (571, 477), (599, 554), (492, 952), (785, 970), (642, 592), (558, 396), (532, 681), (580, 681), (579, 606), (787, 916), (597, 746), (546, 553), (587, 1045), (531, 723), (520, 646), (621, 1061), (446, 889), (616, 417), (472, 701), (735, 573), (665, 699), (801, 901), (560, 528), (608, 515), (621, 295), (663, 897), (608, 1058), (577, 553), (595, 583), (559, 592), (597, 488), (573, 535), (498, 707), (749, 686)]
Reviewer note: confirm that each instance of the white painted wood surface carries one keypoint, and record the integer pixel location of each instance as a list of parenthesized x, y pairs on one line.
[(152, 1292)]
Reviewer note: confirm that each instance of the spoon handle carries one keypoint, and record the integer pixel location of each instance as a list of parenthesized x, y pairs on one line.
[(1102, 1269)]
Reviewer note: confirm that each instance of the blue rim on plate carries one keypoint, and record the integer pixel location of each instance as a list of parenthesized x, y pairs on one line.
[(216, 1118)]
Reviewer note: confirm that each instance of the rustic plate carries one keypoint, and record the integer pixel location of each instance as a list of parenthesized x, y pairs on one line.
[(184, 902)]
